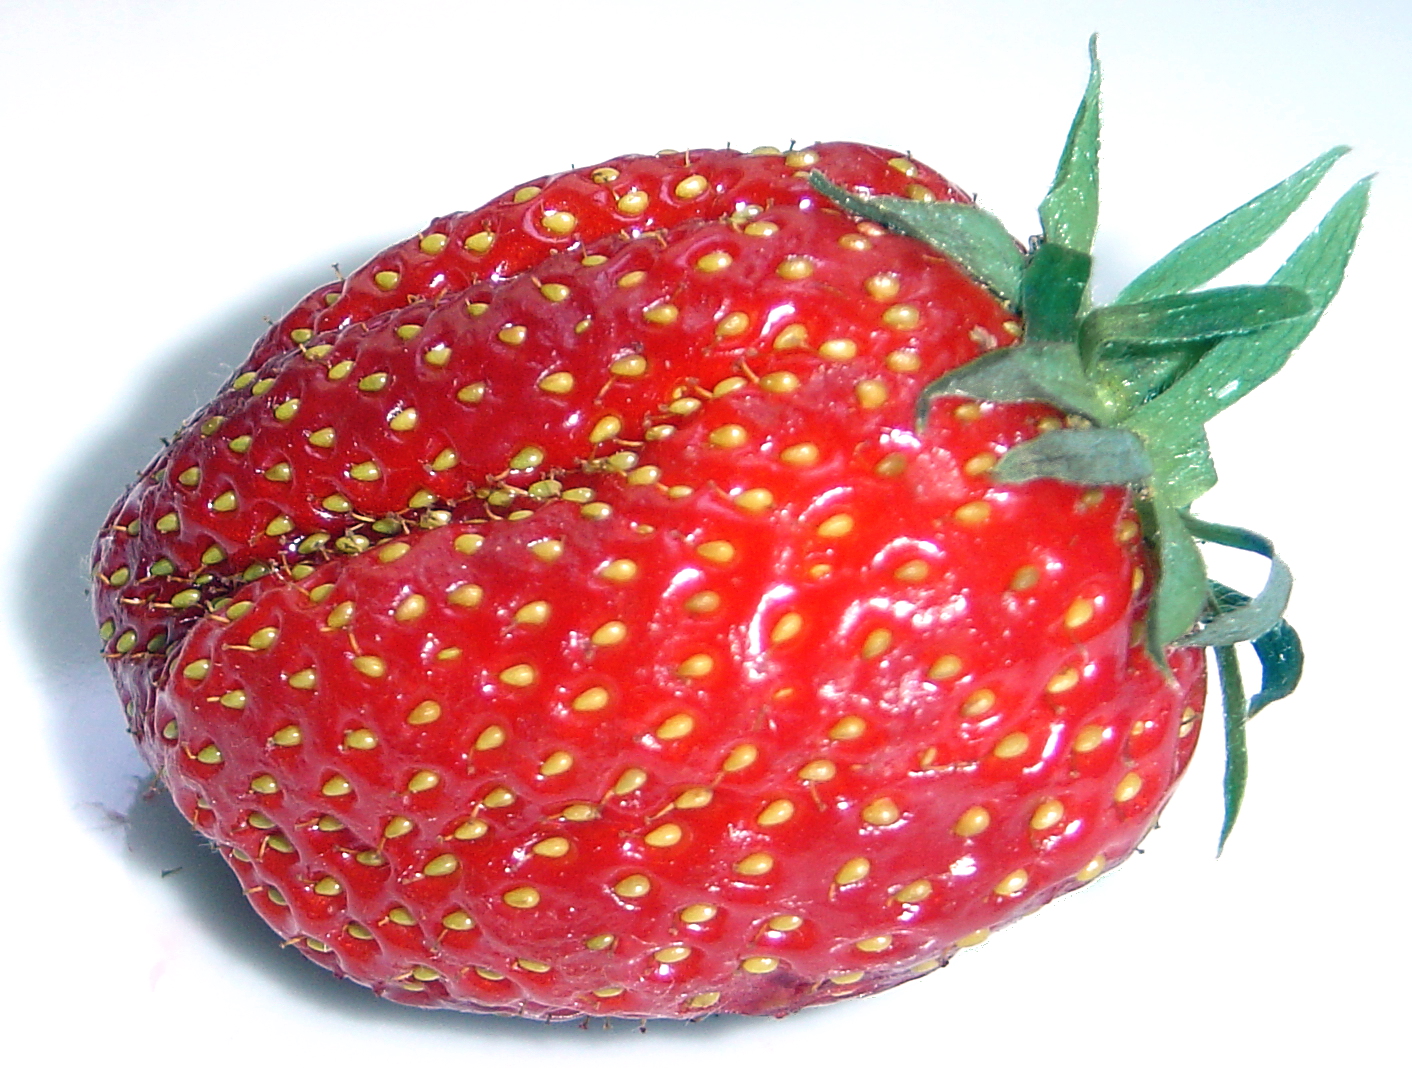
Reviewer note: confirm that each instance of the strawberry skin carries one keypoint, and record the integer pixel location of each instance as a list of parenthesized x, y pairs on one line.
[(582, 624)]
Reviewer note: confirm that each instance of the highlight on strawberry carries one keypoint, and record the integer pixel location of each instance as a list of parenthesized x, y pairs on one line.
[(706, 582)]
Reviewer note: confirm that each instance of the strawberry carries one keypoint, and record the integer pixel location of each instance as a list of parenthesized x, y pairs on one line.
[(709, 582)]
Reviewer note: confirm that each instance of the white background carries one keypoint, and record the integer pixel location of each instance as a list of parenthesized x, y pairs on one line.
[(173, 172)]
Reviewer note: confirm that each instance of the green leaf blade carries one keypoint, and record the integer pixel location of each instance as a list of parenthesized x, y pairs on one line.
[(1069, 213), (1088, 456), (1030, 371), (1234, 714), (1182, 590), (1232, 237), (1192, 317)]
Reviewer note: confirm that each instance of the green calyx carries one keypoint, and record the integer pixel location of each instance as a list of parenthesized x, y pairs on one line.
[(1141, 377)]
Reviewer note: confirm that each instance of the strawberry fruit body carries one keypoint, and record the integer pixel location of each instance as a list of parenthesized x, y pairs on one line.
[(593, 606)]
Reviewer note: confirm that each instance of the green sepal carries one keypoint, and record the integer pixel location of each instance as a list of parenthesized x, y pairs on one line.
[(1228, 240), (1181, 592), (1069, 212), (1053, 292), (1188, 317), (1237, 365), (1183, 470), (1030, 371), (1233, 707), (1256, 616), (974, 238), (1279, 650), (1090, 456)]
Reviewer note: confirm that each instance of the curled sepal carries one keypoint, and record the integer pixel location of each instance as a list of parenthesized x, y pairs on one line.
[(974, 238), (1229, 239), (1069, 212), (1031, 371), (1233, 708), (1279, 650), (1088, 456), (1255, 617)]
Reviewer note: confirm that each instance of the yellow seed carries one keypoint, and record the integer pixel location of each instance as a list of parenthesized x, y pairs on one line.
[(754, 500), (632, 279), (633, 202), (404, 420), (805, 454), (972, 822), (1092, 869), (914, 892), (794, 336), (591, 700), (209, 755), (728, 436), (1089, 738), (225, 502), (628, 366), (1129, 786), (785, 922), (661, 313), (882, 813), (551, 847), (950, 666), (1080, 612), (853, 871), (669, 834), (837, 526), (367, 471), (786, 627), (703, 602), (471, 830), (848, 728), (973, 513), (979, 703), (979, 464), (672, 954), (524, 193), (471, 394), (287, 737), (610, 426), (558, 382), (818, 771), (521, 897), (559, 222), (1047, 814), (839, 349), (693, 797), (902, 317), (878, 641), (883, 286), (755, 864), (634, 886), (374, 667), (422, 781), (620, 570), (610, 633), (499, 798), (1012, 745), (715, 261), (795, 268), (876, 944), (1063, 682), (678, 726), (780, 382), (975, 938), (556, 763), (718, 552), (775, 813), (492, 737), (733, 325), (1013, 883), (519, 675), (691, 187), (630, 780), (580, 813), (533, 613), (740, 758), (697, 913), (759, 965), (697, 666), (362, 738)]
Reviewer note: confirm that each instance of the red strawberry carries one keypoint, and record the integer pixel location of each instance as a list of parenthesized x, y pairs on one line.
[(570, 613)]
